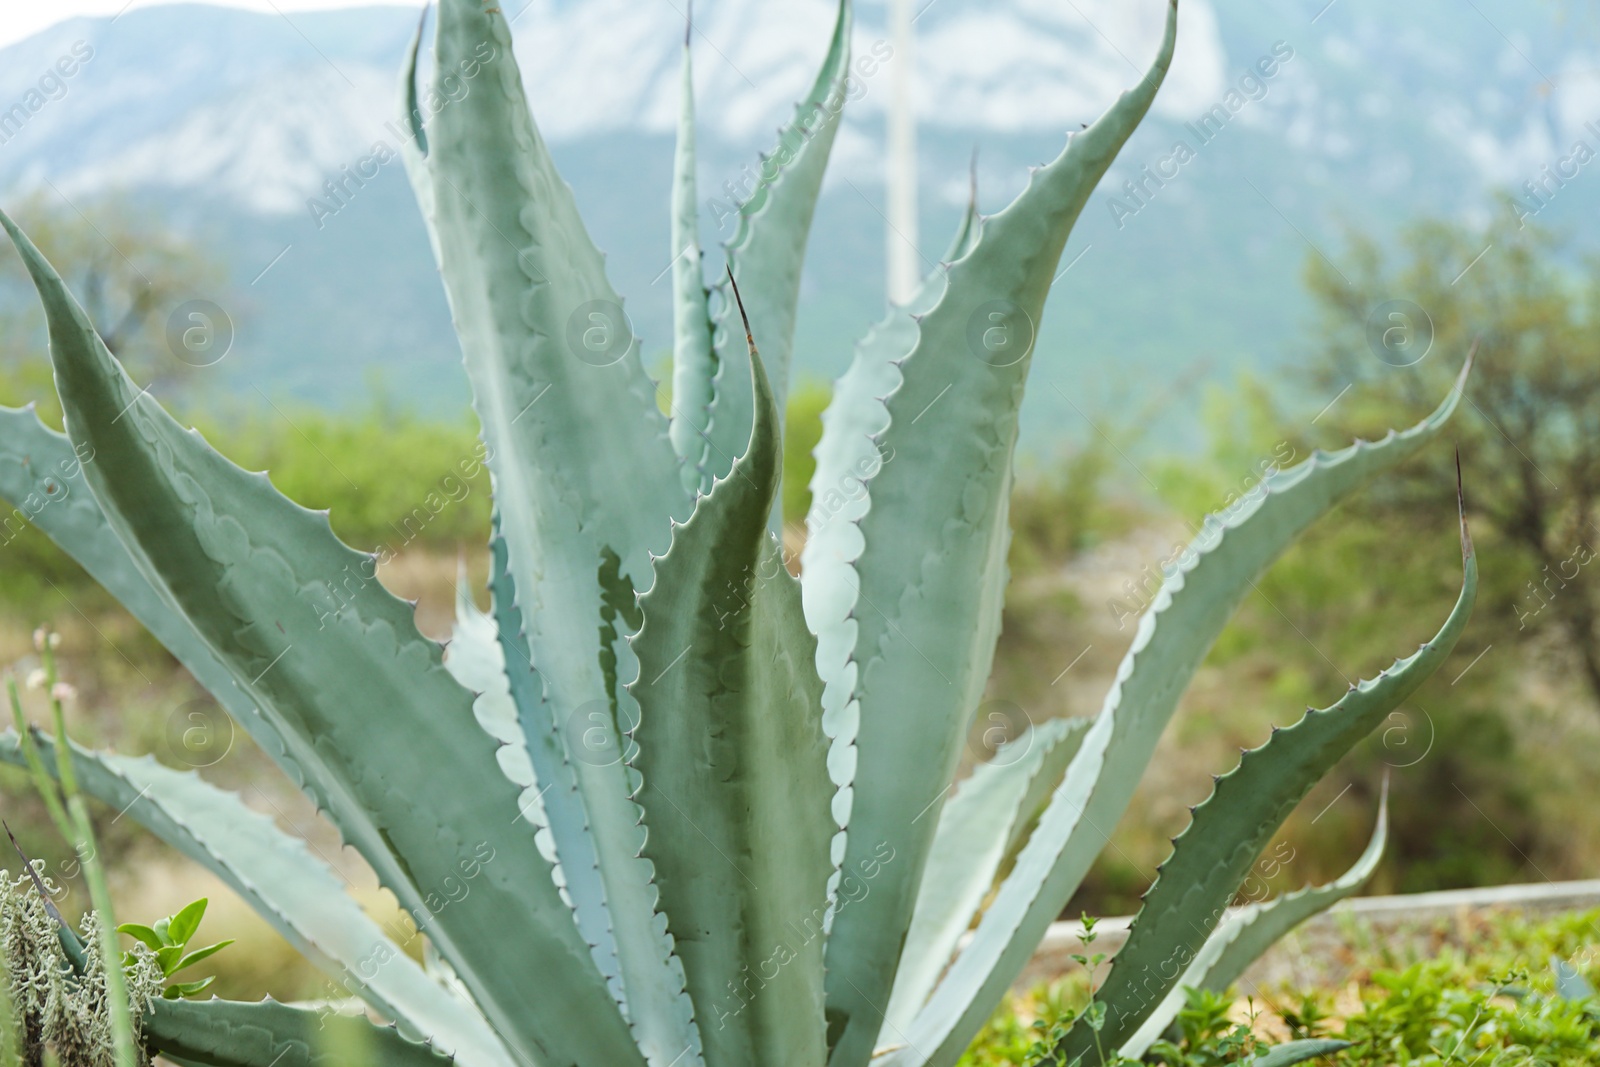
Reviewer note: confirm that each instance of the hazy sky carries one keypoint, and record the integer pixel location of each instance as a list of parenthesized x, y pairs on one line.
[(21, 18)]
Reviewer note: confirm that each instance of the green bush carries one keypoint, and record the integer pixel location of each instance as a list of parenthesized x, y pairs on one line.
[(1489, 999)]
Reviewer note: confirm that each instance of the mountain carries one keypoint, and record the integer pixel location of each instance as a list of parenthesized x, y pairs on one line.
[(1281, 121)]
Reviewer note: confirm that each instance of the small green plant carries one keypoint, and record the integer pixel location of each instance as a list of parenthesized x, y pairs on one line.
[(665, 804), (169, 939), (1207, 1036), (1432, 1015)]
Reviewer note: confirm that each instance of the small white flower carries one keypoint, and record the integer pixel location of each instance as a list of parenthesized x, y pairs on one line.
[(55, 641), (39, 637), (63, 692), (35, 678)]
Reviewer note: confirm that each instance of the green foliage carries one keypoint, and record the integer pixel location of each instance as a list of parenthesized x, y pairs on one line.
[(392, 479), (1433, 1014), (169, 940), (1498, 744), (802, 432), (1529, 441), (1063, 509), (665, 804), (132, 269), (1492, 994)]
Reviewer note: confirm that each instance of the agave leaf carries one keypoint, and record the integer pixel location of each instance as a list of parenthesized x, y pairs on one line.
[(535, 312), (981, 824), (600, 871), (585, 478), (734, 764), (224, 1033), (1212, 857), (1254, 928), (610, 883), (1199, 594), (511, 708), (294, 892), (847, 457), (41, 476), (694, 358), (1293, 1052), (768, 251), (304, 628), (414, 148), (931, 568), (1258, 927), (550, 801)]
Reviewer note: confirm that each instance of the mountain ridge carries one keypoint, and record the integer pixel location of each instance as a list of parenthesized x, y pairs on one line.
[(232, 121)]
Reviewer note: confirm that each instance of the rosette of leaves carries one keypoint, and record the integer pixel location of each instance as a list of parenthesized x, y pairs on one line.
[(665, 804)]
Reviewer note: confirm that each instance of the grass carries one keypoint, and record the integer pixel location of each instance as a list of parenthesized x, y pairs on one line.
[(1479, 991)]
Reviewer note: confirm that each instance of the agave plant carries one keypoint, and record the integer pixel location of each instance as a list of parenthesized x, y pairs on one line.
[(665, 804)]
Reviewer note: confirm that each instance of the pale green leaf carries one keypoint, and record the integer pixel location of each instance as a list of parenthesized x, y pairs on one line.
[(224, 1033), (1251, 930), (694, 358), (336, 663), (1199, 594), (734, 770), (930, 572), (768, 250), (981, 824), (292, 890), (1212, 857), (586, 482)]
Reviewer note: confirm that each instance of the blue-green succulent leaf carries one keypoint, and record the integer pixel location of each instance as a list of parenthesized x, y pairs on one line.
[(586, 482), (1570, 982), (41, 477), (225, 1033), (847, 457), (1250, 931), (734, 766), (984, 821), (297, 894), (303, 627), (1213, 856), (930, 573), (694, 358), (768, 250), (510, 707), (1293, 1052), (1201, 589)]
